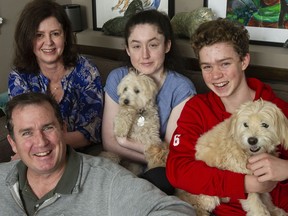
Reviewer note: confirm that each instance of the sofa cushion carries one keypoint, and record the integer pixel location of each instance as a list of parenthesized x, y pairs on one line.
[(104, 65), (280, 89), (196, 78)]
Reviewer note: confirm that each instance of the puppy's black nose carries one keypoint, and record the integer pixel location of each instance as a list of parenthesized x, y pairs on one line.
[(252, 140), (126, 101)]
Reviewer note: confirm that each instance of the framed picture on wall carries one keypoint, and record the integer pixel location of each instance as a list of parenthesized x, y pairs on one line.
[(104, 10), (267, 24)]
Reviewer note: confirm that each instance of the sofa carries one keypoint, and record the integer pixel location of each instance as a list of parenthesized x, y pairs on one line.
[(105, 65)]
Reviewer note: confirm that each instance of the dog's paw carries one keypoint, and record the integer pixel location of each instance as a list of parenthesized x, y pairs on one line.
[(202, 204), (278, 212), (156, 155), (113, 157)]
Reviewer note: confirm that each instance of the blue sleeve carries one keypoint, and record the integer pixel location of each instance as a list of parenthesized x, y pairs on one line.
[(16, 84), (19, 83), (113, 79), (175, 90), (185, 88)]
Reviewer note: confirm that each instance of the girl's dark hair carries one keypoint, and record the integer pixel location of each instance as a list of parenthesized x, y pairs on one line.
[(30, 18), (26, 99), (162, 21), (221, 30)]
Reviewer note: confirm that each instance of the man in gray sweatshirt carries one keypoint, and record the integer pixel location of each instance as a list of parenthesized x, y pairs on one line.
[(53, 179)]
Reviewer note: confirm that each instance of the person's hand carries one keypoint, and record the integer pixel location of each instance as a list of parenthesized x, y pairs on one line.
[(121, 141), (268, 168), (130, 144), (15, 157), (252, 185)]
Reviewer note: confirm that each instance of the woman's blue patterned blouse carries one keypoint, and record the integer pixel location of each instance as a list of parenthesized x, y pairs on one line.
[(82, 103)]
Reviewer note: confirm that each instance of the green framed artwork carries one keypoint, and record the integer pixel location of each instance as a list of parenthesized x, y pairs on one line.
[(266, 20)]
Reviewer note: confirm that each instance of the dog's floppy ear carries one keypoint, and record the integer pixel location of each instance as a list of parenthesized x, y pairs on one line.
[(280, 120), (232, 121), (282, 125), (123, 82), (120, 87), (231, 124), (285, 133), (150, 84)]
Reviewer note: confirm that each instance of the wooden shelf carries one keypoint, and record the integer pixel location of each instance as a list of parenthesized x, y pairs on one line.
[(98, 39)]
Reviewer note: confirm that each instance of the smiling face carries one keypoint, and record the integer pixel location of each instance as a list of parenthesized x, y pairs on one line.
[(147, 48), (49, 42), (38, 138), (222, 69)]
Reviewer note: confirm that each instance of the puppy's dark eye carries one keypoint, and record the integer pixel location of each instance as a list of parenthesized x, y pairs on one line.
[(136, 91), (125, 89), (265, 125), (245, 124)]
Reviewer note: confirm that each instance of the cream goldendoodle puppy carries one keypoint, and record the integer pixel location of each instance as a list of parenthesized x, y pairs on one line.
[(256, 127), (138, 119)]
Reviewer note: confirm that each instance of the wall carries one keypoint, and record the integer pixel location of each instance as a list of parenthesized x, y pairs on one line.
[(187, 5), (180, 5), (268, 56), (9, 10)]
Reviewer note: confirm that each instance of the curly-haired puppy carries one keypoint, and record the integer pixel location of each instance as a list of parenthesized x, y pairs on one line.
[(138, 118), (256, 127)]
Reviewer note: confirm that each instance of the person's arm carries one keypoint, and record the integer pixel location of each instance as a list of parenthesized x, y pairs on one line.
[(143, 198), (252, 185), (173, 118), (126, 148), (76, 139)]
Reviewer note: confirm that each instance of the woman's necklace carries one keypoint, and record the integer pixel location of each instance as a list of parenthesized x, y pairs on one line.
[(55, 86), (56, 90)]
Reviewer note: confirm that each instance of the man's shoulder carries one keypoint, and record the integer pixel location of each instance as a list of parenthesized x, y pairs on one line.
[(6, 168), (8, 165), (102, 163)]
